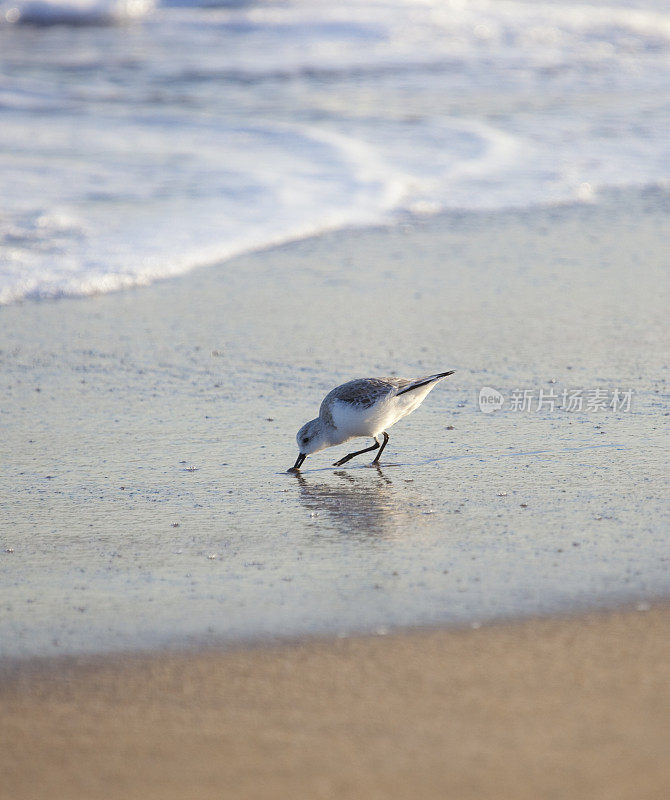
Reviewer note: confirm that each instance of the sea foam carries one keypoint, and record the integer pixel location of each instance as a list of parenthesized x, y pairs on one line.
[(141, 141), (74, 12)]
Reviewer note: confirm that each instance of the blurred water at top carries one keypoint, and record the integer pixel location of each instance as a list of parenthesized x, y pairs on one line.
[(141, 140)]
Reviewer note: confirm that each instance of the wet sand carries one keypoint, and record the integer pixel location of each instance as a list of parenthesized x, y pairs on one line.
[(145, 437), (572, 708)]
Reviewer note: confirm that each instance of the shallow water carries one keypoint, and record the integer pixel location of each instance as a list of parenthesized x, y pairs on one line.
[(146, 435), (183, 134)]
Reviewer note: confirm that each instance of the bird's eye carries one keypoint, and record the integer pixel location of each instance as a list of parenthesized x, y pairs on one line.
[(305, 439)]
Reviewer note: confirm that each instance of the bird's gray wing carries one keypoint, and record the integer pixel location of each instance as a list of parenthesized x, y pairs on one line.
[(362, 392)]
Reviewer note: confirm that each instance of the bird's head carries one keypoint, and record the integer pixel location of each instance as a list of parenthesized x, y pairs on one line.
[(311, 438)]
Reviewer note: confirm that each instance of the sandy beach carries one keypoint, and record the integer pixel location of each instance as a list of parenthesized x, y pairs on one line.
[(156, 554), (212, 214), (147, 433), (568, 708), (182, 618)]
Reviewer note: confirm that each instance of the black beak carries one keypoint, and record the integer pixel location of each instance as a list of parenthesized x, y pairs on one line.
[(298, 462)]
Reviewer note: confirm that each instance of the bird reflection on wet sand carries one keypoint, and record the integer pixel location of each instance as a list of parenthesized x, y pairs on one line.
[(369, 504)]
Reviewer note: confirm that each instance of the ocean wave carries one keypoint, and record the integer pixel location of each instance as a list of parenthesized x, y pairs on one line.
[(74, 12), (208, 3), (211, 132)]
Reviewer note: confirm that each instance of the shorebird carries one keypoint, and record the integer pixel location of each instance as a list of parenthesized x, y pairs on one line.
[(362, 407)]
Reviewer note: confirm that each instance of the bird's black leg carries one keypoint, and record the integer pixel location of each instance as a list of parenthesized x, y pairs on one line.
[(375, 460), (357, 453)]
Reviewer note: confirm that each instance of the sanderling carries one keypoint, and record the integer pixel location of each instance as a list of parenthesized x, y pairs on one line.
[(362, 407)]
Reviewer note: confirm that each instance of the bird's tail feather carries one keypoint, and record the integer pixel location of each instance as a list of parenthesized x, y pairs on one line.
[(417, 384)]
